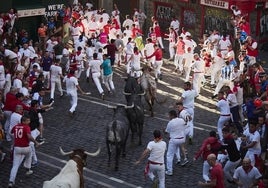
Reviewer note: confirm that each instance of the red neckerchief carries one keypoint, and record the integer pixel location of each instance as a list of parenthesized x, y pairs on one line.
[(78, 52), (224, 38), (247, 170), (222, 98), (70, 75)]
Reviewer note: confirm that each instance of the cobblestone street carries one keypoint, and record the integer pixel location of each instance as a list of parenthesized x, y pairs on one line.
[(87, 130)]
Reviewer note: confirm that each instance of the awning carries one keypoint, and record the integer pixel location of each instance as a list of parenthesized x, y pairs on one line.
[(31, 11)]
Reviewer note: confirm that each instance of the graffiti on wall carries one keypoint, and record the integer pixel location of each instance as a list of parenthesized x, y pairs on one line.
[(189, 18), (217, 19), (163, 12)]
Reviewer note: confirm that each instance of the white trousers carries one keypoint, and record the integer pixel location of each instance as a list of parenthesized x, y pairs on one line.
[(190, 124), (171, 49), (178, 61), (206, 168), (96, 78), (221, 122), (53, 84), (173, 147), (74, 98), (108, 82), (160, 171), (157, 68), (19, 154), (197, 79), (221, 83), (229, 169)]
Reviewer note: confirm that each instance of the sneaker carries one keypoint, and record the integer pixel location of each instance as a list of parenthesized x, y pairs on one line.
[(102, 96), (51, 100), (10, 184), (178, 162), (34, 165), (160, 77), (3, 157), (169, 173), (231, 181), (185, 161), (29, 172), (190, 141), (41, 139), (213, 96)]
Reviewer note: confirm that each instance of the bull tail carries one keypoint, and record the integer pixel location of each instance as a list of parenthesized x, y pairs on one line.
[(153, 93), (114, 126)]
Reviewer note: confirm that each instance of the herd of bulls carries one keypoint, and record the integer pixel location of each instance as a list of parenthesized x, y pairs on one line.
[(129, 117)]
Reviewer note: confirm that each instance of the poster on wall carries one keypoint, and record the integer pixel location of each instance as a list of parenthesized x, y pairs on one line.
[(163, 12)]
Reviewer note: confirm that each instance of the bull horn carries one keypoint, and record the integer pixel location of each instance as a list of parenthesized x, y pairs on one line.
[(92, 154), (110, 106), (127, 107), (65, 153), (142, 93), (126, 93)]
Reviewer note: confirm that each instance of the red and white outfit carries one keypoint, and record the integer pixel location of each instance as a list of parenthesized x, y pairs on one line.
[(158, 61), (22, 149)]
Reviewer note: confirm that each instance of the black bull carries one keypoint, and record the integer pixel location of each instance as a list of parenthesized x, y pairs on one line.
[(133, 93), (117, 132)]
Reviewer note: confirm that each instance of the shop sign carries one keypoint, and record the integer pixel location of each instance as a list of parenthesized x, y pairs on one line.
[(53, 9), (215, 3), (31, 12)]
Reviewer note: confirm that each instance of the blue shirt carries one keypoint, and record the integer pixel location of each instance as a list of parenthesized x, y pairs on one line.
[(107, 67)]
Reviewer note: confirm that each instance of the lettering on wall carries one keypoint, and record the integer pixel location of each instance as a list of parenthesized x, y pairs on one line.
[(215, 3), (52, 10)]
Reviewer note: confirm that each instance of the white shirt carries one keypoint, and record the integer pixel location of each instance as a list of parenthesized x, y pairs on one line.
[(189, 57), (15, 119), (231, 98), (246, 178), (149, 48), (71, 84), (25, 52), (55, 73), (10, 54), (175, 24), (188, 98), (95, 65), (190, 44), (199, 66), (50, 45), (17, 83), (223, 44), (128, 22), (176, 128), (157, 151), (254, 137), (2, 73), (223, 106)]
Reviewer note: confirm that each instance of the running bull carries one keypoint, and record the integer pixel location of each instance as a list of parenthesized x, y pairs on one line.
[(71, 176), (117, 132)]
